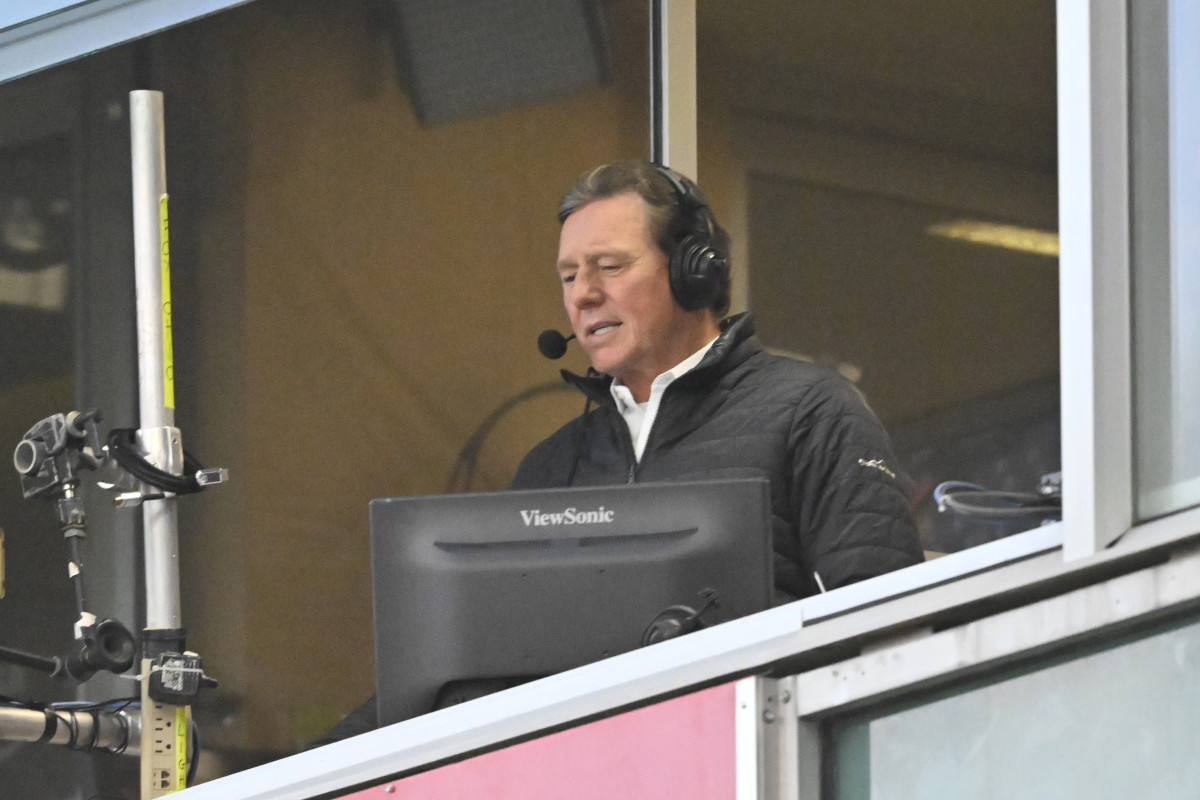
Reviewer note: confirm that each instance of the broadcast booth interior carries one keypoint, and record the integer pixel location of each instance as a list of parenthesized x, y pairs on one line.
[(976, 213), (478, 592)]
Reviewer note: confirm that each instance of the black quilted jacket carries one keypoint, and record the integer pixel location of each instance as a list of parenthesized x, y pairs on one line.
[(837, 506)]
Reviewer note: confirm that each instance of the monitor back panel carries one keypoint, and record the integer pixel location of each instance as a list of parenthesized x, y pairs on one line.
[(523, 584)]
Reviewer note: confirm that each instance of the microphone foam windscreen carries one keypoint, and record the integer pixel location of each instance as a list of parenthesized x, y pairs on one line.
[(552, 344)]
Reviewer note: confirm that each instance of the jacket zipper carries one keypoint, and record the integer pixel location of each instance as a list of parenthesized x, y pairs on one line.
[(635, 464)]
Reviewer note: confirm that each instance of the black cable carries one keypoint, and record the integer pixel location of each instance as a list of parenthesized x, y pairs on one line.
[(50, 666), (51, 726), (115, 704), (64, 713), (95, 714), (973, 500), (72, 726), (124, 723), (122, 446), (194, 766), (464, 466), (115, 707), (71, 708)]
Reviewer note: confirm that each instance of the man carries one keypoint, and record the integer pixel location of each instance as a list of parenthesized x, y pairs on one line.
[(681, 394)]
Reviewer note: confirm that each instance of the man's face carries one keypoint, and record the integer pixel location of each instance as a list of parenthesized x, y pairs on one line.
[(618, 296)]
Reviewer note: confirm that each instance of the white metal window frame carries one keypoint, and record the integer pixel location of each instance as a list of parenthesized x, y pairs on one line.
[(1164, 365), (41, 34), (1094, 273)]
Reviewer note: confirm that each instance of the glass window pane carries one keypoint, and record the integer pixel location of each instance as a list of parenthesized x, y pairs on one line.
[(1057, 731), (364, 235), (38, 217), (888, 176), (363, 238), (1166, 204)]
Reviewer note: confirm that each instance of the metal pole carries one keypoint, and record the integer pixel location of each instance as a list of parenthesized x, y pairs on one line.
[(156, 388), (111, 730), (164, 762)]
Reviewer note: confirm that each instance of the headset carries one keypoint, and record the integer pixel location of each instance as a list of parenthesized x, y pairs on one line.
[(699, 270)]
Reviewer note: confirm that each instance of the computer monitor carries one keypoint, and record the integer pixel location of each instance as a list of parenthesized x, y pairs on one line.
[(477, 592)]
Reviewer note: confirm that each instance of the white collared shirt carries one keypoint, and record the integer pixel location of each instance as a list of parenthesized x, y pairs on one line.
[(640, 416)]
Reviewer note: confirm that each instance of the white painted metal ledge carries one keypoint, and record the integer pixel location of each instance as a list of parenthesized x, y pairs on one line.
[(996, 640)]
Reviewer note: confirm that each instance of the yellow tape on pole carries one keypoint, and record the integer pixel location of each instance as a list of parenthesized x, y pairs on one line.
[(181, 748), (165, 265)]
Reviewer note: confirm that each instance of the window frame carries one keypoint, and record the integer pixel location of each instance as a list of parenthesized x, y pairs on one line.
[(57, 31), (1094, 274)]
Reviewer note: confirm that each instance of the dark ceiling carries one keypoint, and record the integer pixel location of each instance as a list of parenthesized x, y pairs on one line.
[(976, 77)]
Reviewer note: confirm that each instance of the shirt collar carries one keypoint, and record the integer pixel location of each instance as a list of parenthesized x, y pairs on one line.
[(624, 397)]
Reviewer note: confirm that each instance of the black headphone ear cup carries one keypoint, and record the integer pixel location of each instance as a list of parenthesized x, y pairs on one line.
[(697, 273)]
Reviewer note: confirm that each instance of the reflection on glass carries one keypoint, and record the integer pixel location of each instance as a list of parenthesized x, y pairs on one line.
[(36, 363), (888, 178), (35, 246), (1066, 730), (1166, 203)]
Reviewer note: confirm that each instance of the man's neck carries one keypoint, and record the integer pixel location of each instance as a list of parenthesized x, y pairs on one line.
[(642, 385)]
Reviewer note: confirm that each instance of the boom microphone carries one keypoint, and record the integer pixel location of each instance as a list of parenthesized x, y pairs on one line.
[(553, 344)]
